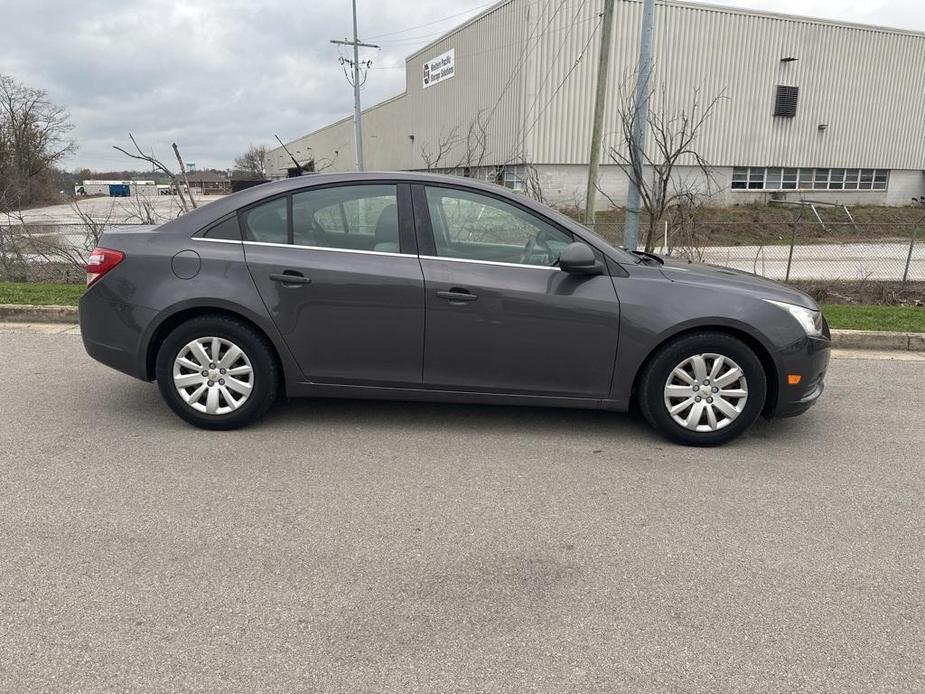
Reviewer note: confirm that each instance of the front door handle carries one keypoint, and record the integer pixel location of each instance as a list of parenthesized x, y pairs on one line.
[(457, 294), (291, 277)]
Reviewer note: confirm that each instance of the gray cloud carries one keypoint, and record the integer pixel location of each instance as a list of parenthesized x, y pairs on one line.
[(215, 75)]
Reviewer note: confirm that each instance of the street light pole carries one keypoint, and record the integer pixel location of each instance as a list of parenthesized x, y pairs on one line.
[(640, 119)]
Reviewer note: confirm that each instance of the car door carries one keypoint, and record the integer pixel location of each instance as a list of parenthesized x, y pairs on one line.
[(500, 316), (337, 268)]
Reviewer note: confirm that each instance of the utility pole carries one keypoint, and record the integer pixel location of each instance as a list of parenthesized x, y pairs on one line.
[(355, 64), (600, 96), (640, 120)]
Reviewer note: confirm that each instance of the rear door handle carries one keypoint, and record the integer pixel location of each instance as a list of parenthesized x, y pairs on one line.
[(291, 277), (457, 295)]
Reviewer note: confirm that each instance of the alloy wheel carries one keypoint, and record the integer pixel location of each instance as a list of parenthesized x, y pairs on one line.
[(706, 392), (213, 375)]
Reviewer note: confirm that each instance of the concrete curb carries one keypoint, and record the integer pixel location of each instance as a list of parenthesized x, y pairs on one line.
[(878, 340), (23, 313), (841, 339)]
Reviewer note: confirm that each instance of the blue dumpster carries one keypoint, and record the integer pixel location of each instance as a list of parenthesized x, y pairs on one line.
[(119, 190)]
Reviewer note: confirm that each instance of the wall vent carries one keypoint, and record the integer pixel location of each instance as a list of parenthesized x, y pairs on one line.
[(785, 101)]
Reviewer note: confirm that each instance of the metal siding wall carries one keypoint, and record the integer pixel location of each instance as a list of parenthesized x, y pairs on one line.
[(862, 82), (489, 74), (859, 81)]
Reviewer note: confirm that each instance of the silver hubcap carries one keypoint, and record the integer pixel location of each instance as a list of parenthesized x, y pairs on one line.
[(706, 392), (213, 375)]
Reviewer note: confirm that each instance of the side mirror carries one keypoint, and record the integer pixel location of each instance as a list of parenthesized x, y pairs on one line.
[(579, 259)]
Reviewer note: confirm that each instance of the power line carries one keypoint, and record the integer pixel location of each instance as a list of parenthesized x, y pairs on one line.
[(564, 79), (555, 58), (436, 21), (516, 69), (502, 46)]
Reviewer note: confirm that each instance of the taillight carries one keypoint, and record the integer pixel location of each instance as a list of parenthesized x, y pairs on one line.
[(101, 261)]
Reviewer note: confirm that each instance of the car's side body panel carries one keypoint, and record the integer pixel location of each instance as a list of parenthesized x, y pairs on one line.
[(360, 320), (529, 330), (122, 314), (654, 310)]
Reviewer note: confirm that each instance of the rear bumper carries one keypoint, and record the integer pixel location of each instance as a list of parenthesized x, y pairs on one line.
[(112, 331), (809, 359)]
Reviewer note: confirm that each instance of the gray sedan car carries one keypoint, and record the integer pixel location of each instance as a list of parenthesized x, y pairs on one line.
[(424, 287)]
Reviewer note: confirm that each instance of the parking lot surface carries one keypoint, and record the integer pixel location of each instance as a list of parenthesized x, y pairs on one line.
[(345, 546)]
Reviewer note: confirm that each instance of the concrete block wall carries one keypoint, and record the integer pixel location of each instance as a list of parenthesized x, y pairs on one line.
[(564, 185)]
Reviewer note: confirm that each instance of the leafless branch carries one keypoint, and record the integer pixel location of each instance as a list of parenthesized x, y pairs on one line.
[(673, 136), (446, 142), (158, 165)]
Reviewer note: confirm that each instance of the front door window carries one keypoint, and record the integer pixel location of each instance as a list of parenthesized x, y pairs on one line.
[(473, 226)]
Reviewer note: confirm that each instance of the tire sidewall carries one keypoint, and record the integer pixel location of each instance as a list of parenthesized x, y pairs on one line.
[(257, 351), (652, 396)]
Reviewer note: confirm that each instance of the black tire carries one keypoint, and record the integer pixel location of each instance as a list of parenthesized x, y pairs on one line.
[(651, 393), (266, 371)]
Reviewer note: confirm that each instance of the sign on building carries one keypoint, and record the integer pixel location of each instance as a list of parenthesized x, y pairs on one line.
[(441, 68)]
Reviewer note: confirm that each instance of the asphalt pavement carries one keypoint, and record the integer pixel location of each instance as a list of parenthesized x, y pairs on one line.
[(345, 546)]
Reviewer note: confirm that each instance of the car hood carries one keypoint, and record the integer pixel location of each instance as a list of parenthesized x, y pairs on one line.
[(733, 280)]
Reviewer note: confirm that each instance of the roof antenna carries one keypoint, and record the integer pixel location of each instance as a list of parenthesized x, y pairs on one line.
[(298, 166)]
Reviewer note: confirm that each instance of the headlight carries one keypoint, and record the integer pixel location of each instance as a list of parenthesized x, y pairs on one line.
[(809, 320)]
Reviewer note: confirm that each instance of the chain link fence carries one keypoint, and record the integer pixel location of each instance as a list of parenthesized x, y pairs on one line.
[(793, 252), (47, 252)]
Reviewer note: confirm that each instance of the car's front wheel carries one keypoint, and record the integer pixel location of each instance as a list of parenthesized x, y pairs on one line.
[(217, 372), (703, 389)]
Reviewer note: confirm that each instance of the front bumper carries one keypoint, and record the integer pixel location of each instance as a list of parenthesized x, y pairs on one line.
[(808, 358)]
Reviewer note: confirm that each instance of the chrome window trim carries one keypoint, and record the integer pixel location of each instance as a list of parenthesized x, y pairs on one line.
[(383, 253), (326, 248), (491, 262), (206, 238)]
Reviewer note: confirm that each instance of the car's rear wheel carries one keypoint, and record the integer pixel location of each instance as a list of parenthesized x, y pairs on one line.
[(217, 372), (703, 389)]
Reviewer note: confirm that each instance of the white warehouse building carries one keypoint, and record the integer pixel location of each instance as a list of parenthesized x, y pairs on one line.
[(809, 109)]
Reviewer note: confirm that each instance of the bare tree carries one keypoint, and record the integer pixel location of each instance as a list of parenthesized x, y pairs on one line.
[(685, 234), (446, 143), (141, 209), (33, 139), (51, 252), (14, 266), (324, 163), (159, 166), (253, 163), (475, 143), (655, 171), (532, 185)]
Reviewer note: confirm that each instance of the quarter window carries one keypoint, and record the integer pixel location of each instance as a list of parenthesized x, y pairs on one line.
[(226, 230), (479, 227)]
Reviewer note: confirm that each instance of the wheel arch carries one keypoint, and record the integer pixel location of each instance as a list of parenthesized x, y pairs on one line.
[(182, 314), (761, 350)]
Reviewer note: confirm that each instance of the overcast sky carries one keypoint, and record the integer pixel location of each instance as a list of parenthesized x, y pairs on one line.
[(215, 75)]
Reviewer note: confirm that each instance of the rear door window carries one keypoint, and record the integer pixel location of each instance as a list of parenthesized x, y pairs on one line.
[(362, 217), (267, 222)]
